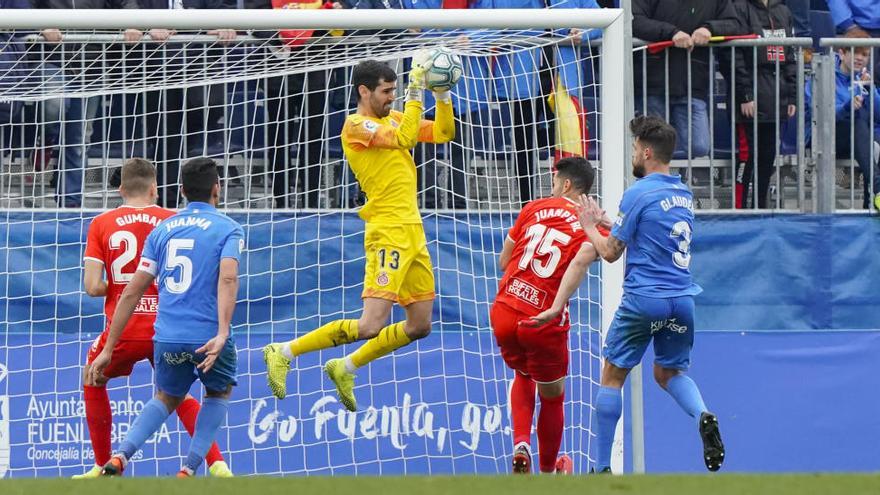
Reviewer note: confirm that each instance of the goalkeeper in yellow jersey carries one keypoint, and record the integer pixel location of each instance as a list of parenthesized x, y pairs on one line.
[(378, 143)]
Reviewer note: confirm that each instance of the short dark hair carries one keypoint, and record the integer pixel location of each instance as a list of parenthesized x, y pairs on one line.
[(655, 133), (198, 177), (578, 170), (370, 73), (138, 174)]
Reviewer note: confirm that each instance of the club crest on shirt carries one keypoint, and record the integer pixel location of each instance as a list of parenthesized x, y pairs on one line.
[(371, 126), (382, 280)]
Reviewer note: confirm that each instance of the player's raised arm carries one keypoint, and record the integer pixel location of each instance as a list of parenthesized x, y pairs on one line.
[(571, 280), (442, 128), (591, 215)]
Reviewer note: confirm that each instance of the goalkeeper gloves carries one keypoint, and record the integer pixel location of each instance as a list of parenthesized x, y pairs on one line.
[(421, 62)]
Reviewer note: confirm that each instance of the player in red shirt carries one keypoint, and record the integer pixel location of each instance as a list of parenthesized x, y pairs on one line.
[(546, 238), (113, 247)]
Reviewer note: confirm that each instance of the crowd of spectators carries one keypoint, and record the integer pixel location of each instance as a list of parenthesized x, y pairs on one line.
[(761, 93)]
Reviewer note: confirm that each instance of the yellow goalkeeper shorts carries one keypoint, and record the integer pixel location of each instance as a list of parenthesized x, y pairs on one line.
[(398, 264)]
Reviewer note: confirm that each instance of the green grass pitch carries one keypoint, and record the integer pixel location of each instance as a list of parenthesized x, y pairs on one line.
[(722, 484)]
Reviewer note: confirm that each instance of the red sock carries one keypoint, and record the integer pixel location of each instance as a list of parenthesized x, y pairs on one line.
[(551, 420), (99, 417), (522, 407), (188, 411)]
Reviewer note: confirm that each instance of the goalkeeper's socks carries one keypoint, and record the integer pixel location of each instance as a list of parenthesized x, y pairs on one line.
[(333, 334), (687, 394), (609, 405), (148, 422), (99, 417), (389, 338), (210, 418), (188, 412), (522, 407), (551, 420)]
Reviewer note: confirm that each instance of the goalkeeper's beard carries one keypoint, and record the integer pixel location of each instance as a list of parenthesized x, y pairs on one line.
[(380, 109)]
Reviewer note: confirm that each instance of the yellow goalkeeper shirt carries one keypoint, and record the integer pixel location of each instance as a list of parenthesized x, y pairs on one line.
[(380, 154)]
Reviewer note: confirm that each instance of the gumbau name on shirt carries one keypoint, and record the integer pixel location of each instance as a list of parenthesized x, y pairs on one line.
[(566, 215), (201, 223), (137, 218), (677, 202)]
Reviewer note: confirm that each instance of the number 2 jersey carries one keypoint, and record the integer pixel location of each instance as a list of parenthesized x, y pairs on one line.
[(547, 235), (116, 239)]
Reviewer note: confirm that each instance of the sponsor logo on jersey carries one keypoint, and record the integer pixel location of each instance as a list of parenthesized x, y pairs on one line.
[(148, 305), (177, 358), (371, 126), (526, 292)]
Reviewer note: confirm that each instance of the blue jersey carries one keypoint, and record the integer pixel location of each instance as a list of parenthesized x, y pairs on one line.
[(183, 252), (656, 221)]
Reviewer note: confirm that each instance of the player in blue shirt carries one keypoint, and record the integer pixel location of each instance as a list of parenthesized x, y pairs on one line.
[(193, 256), (654, 227)]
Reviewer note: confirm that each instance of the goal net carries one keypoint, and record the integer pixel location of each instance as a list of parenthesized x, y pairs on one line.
[(268, 104)]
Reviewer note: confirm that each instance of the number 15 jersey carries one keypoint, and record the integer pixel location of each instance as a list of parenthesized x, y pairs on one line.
[(184, 254), (547, 235), (115, 239)]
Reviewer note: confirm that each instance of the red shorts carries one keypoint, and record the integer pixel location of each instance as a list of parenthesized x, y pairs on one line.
[(125, 355), (541, 353)]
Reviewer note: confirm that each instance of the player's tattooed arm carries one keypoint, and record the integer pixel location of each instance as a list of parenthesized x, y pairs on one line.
[(613, 248)]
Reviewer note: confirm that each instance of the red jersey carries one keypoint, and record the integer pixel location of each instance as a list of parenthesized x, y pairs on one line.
[(547, 235), (116, 239)]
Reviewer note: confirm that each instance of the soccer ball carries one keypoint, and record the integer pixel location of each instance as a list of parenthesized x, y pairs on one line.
[(444, 69)]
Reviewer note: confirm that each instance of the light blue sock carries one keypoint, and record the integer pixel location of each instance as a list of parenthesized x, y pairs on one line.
[(148, 422), (210, 418), (687, 394), (609, 406)]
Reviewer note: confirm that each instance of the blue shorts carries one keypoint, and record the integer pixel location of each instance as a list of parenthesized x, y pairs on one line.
[(670, 322), (176, 368)]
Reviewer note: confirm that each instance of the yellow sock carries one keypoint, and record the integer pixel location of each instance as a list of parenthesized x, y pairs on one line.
[(335, 333), (390, 338)]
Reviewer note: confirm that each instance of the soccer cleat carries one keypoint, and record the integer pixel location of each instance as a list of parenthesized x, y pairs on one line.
[(184, 473), (114, 467), (877, 202), (95, 472), (344, 381), (220, 470), (564, 465), (522, 460), (713, 448), (277, 367), (605, 470)]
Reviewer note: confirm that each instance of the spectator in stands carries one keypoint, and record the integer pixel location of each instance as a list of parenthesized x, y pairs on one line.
[(14, 68), (75, 114), (182, 122), (853, 94), (760, 114), (690, 24), (299, 96), (800, 14), (858, 17)]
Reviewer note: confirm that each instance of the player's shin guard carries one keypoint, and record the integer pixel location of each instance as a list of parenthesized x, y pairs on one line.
[(148, 422), (522, 407), (687, 395), (333, 334), (551, 420), (389, 339), (99, 417), (188, 412), (609, 405), (210, 418)]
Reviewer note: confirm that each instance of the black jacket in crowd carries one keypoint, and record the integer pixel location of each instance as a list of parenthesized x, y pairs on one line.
[(659, 20), (773, 20)]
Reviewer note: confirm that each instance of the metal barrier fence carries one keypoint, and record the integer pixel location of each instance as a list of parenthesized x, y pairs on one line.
[(758, 128)]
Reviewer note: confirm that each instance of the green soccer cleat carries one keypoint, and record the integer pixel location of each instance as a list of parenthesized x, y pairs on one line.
[(877, 202), (220, 470), (344, 381), (95, 472), (277, 367)]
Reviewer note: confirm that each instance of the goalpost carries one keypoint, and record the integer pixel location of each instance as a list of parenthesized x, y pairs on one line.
[(77, 109)]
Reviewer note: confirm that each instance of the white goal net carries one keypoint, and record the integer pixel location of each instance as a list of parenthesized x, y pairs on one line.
[(269, 107)]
